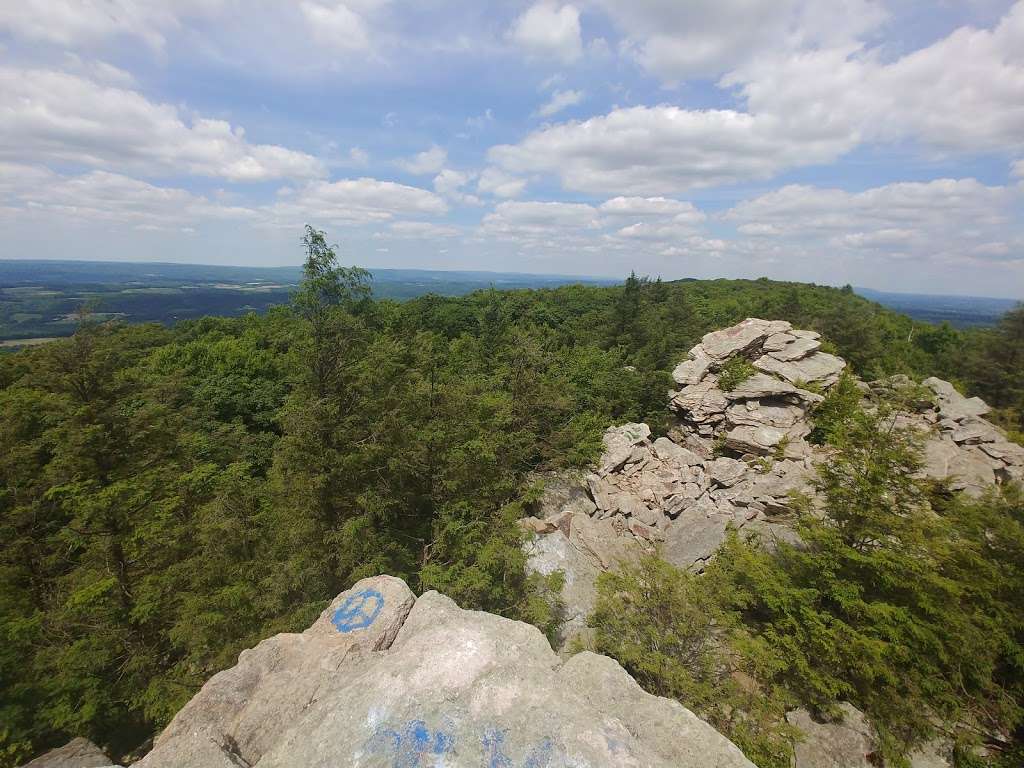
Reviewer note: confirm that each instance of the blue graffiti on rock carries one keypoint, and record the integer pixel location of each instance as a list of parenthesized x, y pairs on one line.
[(358, 611), (408, 746), (493, 743)]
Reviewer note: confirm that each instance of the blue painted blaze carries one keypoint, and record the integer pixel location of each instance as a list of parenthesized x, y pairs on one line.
[(358, 611)]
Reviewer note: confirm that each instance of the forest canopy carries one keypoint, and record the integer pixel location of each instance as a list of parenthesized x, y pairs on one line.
[(171, 496)]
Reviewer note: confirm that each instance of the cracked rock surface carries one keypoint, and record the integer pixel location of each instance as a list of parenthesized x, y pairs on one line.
[(386, 679)]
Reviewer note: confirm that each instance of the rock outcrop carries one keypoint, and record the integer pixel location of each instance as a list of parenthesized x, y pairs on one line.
[(737, 457), (850, 741), (77, 753), (386, 679)]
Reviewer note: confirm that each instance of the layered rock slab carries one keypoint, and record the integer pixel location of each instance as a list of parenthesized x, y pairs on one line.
[(452, 687)]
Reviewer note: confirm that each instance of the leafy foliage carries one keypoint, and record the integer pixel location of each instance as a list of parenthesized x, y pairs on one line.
[(670, 630), (912, 610), (171, 496), (736, 370)]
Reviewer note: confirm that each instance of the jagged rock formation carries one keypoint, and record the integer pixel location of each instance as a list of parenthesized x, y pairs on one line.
[(77, 753), (736, 457), (387, 679)]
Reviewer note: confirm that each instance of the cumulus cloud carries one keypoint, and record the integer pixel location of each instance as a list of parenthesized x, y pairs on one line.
[(420, 230), (666, 149), (449, 183), (961, 93), (646, 207), (494, 181), (73, 22), (804, 106), (59, 117), (539, 218), (707, 38), (951, 220), (428, 161), (549, 30), (560, 100), (342, 26), (354, 201), (100, 197)]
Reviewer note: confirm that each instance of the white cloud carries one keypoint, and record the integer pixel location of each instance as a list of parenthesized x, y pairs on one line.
[(665, 150), (706, 38), (421, 230), (946, 220), (560, 100), (342, 26), (535, 218), (550, 82), (354, 201), (98, 71), (1017, 169), (57, 117), (358, 156), (428, 161), (645, 207), (961, 93), (549, 30), (449, 184), (74, 22), (803, 107), (100, 197), (494, 181)]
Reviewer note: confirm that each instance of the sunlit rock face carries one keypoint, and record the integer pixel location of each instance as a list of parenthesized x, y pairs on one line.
[(385, 679), (736, 457)]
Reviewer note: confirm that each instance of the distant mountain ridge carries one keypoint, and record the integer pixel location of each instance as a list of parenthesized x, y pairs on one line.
[(958, 311), (20, 272)]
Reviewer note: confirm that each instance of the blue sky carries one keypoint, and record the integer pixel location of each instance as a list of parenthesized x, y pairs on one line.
[(875, 142)]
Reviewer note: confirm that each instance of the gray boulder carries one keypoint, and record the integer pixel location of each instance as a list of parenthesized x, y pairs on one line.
[(785, 346), (703, 402), (693, 537), (760, 386), (555, 552), (725, 471), (666, 450), (953, 405), (693, 370), (453, 687), (973, 430), (820, 368), (619, 443), (741, 337), (77, 753), (562, 491), (848, 743), (757, 440)]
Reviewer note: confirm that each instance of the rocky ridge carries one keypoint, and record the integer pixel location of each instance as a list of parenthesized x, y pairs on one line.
[(384, 679), (736, 457)]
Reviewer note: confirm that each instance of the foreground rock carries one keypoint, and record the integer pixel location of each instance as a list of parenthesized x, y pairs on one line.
[(77, 753), (386, 679)]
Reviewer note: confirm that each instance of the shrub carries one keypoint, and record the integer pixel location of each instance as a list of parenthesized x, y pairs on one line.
[(735, 372), (667, 627)]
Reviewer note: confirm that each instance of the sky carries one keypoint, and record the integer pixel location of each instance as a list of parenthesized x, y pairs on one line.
[(873, 142)]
